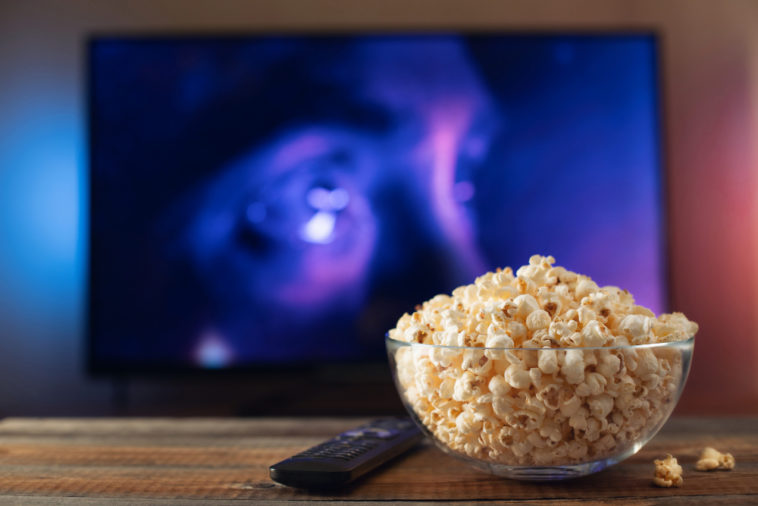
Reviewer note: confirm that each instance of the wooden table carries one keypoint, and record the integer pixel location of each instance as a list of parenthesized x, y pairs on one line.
[(195, 461)]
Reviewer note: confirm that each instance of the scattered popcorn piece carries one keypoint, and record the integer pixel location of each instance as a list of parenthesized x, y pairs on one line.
[(668, 472), (712, 459), (526, 399)]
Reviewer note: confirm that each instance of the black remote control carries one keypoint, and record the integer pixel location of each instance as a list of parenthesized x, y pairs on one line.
[(347, 456)]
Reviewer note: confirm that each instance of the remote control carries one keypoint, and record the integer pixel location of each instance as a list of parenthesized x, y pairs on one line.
[(346, 457)]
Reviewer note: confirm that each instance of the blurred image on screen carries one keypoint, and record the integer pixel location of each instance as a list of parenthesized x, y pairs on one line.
[(284, 199)]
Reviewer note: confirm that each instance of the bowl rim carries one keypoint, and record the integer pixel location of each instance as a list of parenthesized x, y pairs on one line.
[(689, 342)]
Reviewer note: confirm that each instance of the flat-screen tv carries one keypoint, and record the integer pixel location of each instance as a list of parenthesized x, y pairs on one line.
[(279, 200)]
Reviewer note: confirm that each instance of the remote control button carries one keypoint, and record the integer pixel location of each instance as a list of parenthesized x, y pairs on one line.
[(341, 450), (372, 432), (393, 424)]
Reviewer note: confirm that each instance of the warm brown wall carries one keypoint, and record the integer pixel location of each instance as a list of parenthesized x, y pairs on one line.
[(710, 53), (712, 98)]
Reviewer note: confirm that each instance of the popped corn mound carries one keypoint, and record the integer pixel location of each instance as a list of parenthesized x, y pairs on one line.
[(539, 406)]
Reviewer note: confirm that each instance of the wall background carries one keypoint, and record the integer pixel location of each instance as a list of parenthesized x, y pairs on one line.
[(710, 72)]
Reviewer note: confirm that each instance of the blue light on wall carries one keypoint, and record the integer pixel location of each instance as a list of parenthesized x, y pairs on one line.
[(42, 192)]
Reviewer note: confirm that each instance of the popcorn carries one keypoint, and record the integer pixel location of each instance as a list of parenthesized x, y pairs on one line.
[(668, 473), (573, 366), (538, 319), (550, 385), (548, 362), (517, 377), (525, 305), (712, 459), (466, 387), (636, 327)]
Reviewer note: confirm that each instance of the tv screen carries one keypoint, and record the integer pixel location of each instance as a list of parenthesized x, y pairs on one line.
[(278, 200)]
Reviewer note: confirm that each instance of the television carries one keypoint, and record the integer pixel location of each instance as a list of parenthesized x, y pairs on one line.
[(264, 201)]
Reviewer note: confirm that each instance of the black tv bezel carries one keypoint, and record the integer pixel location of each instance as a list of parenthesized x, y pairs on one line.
[(357, 368)]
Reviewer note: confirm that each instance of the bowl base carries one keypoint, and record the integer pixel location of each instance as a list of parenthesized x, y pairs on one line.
[(545, 473)]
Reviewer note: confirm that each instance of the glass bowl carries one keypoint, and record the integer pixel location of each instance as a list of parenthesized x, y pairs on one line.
[(540, 413)]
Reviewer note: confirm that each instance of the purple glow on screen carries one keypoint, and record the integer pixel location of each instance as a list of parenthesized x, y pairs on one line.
[(305, 191)]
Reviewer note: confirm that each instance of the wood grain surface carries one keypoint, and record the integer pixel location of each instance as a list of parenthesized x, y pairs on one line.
[(183, 461)]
